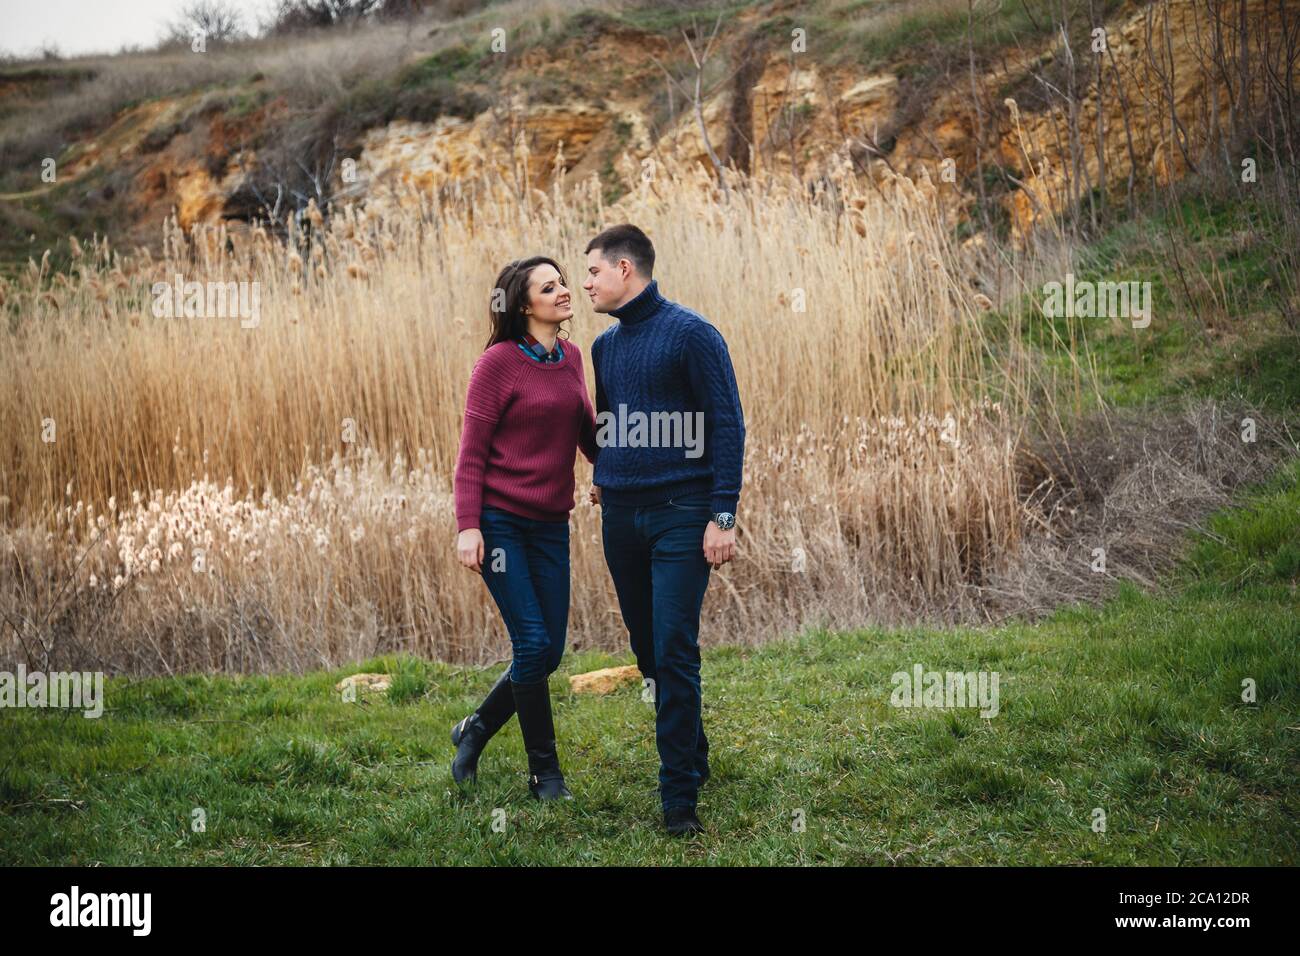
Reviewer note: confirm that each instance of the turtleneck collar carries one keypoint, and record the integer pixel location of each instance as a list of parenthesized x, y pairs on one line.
[(640, 307)]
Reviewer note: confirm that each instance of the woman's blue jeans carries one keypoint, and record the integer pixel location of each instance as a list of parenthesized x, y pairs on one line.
[(526, 568)]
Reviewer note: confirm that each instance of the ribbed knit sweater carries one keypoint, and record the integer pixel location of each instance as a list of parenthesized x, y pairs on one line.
[(663, 357), (524, 422)]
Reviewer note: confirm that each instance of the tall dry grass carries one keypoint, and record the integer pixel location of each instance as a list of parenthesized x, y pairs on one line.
[(879, 480)]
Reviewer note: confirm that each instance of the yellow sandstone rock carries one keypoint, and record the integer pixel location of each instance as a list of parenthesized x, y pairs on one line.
[(604, 681), (375, 682)]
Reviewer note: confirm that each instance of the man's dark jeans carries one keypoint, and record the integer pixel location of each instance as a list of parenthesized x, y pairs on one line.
[(656, 557), (526, 568)]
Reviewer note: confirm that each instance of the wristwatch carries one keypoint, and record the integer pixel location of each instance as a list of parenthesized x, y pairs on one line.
[(724, 520)]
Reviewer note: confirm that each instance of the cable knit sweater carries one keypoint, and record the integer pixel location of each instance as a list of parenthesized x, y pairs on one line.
[(524, 422), (662, 357)]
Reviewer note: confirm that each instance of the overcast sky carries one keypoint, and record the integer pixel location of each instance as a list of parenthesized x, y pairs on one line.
[(94, 26)]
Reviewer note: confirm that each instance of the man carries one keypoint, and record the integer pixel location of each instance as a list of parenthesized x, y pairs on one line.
[(672, 437)]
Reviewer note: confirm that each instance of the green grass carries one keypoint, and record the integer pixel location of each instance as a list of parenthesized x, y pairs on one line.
[(1253, 549), (53, 216), (1134, 707), (669, 20), (1216, 331), (926, 41)]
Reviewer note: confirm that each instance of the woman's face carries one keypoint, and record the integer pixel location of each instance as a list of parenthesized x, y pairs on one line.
[(548, 299)]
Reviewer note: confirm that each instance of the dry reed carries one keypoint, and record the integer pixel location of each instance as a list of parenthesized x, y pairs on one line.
[(879, 479)]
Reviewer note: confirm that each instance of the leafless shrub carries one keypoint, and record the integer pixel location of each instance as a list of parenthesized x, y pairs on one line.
[(214, 21), (1135, 484)]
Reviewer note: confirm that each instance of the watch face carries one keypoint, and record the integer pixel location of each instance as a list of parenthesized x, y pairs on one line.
[(724, 520)]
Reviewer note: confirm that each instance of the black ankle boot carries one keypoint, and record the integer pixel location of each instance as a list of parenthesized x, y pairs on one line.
[(471, 735), (533, 703), (682, 821)]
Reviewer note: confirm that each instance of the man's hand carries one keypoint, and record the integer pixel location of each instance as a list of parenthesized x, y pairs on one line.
[(469, 549), (594, 495), (719, 545)]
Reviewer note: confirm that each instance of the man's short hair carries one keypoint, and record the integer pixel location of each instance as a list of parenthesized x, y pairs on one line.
[(626, 241)]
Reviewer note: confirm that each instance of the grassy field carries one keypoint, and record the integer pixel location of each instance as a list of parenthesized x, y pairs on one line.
[(1171, 711), (1134, 707)]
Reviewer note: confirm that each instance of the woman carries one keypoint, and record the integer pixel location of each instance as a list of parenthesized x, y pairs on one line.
[(526, 415)]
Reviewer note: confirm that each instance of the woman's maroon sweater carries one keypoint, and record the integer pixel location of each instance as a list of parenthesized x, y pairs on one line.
[(524, 423)]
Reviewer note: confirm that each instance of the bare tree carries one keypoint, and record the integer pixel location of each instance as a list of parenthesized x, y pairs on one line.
[(695, 90), (218, 21), (290, 16)]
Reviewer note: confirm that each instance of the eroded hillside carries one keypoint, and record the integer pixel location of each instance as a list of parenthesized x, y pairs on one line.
[(1013, 113)]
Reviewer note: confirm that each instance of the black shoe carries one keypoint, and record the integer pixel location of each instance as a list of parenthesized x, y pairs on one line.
[(533, 703), (471, 735), (682, 821)]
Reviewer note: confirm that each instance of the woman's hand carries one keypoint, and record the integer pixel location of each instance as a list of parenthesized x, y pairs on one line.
[(469, 549)]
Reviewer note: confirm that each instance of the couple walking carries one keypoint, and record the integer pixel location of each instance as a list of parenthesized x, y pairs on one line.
[(667, 508)]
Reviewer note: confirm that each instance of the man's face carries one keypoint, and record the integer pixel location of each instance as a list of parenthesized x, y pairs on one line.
[(607, 282)]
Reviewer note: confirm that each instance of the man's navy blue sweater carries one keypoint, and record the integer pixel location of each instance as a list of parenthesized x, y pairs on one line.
[(662, 357)]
